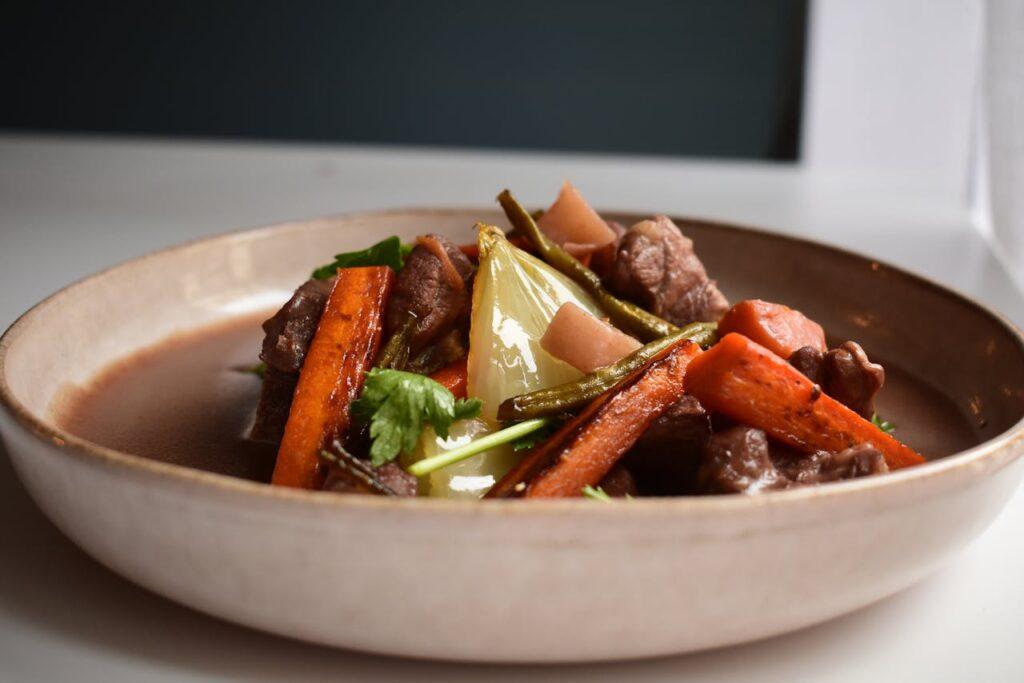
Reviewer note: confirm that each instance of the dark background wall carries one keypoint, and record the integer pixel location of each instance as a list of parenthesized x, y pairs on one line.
[(718, 79)]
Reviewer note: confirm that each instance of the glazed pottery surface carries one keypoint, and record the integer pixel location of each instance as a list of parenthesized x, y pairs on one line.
[(517, 581)]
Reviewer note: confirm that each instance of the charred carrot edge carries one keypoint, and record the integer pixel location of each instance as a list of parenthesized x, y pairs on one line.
[(544, 456), (342, 350), (749, 383), (615, 427), (751, 318), (453, 378)]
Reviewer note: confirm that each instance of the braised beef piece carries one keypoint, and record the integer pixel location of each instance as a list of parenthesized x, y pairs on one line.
[(290, 331), (602, 261), (809, 361), (448, 348), (665, 459), (397, 480), (741, 460), (434, 286), (821, 467), (287, 337), (656, 268), (844, 373), (275, 403), (738, 461), (618, 483), (852, 379)]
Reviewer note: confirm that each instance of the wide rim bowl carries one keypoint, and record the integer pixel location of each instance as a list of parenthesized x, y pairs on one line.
[(990, 455)]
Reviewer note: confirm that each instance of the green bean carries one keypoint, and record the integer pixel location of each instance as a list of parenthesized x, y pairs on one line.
[(395, 354), (359, 473), (571, 396), (627, 316)]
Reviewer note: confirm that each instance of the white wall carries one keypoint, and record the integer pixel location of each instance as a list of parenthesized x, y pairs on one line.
[(891, 88)]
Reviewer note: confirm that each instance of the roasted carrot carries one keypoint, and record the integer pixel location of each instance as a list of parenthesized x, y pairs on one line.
[(342, 350), (776, 327), (610, 426), (749, 383), (453, 378)]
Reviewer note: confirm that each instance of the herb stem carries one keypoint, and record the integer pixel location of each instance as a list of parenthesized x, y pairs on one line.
[(485, 443)]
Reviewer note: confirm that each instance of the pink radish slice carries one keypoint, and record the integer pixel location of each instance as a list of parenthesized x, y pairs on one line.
[(583, 341), (571, 221)]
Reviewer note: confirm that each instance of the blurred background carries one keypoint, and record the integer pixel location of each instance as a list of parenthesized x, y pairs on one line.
[(711, 79)]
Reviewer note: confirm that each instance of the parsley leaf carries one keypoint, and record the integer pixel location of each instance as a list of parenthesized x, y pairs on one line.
[(397, 405), (884, 425), (390, 252), (596, 493)]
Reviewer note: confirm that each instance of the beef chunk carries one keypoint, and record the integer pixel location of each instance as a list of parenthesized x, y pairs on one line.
[(274, 406), (664, 460), (448, 348), (602, 261), (809, 361), (434, 286), (389, 474), (290, 331), (288, 336), (738, 461), (656, 268), (852, 379), (618, 483), (822, 467), (741, 460), (844, 373)]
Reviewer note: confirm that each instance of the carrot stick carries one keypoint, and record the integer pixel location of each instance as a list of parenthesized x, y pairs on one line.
[(342, 350), (749, 383), (776, 327), (614, 426), (453, 378)]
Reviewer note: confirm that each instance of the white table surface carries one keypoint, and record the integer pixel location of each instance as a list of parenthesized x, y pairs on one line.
[(71, 206)]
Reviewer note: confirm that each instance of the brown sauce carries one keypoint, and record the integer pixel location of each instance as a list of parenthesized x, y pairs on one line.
[(183, 401)]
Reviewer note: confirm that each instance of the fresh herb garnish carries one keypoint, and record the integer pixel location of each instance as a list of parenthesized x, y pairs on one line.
[(596, 493), (260, 369), (397, 405), (484, 443), (390, 252), (884, 425)]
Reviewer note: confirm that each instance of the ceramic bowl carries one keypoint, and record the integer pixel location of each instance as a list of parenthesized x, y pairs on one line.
[(516, 581)]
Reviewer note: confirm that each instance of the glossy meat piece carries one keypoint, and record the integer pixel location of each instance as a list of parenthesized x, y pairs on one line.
[(434, 285), (809, 361), (603, 260), (656, 268), (619, 483), (741, 460), (852, 379), (844, 373), (445, 350), (290, 331), (822, 467), (665, 459), (738, 461), (275, 402)]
